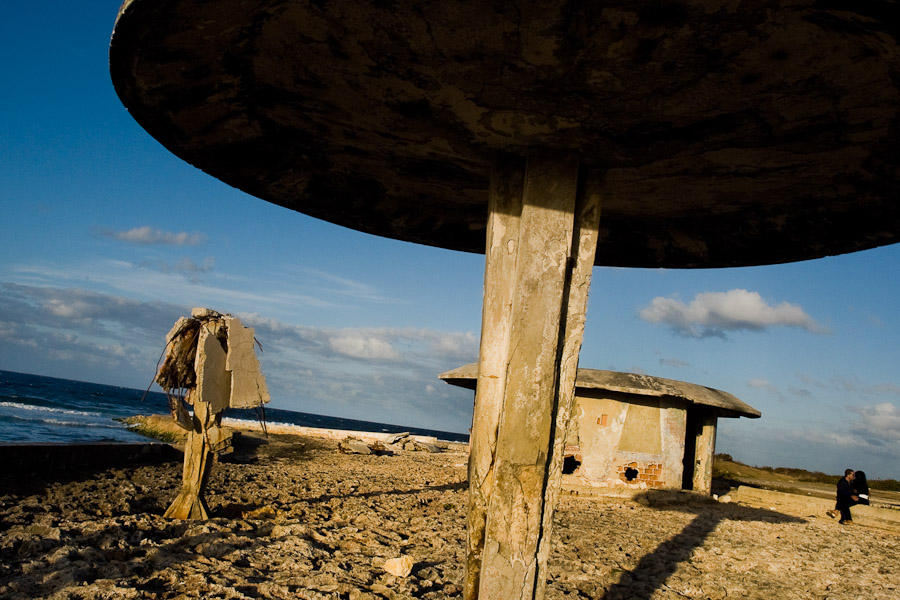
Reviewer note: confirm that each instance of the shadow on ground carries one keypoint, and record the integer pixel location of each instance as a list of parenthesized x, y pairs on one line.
[(655, 568)]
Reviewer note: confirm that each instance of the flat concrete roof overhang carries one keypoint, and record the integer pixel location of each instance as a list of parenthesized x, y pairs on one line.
[(726, 404), (722, 133)]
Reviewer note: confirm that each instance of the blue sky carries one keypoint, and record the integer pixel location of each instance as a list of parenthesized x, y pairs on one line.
[(107, 239)]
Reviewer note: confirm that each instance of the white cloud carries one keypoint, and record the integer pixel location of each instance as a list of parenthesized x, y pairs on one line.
[(878, 425), (712, 314), (147, 235), (69, 309), (59, 307), (876, 432), (389, 343), (873, 432), (361, 345), (454, 344), (84, 326)]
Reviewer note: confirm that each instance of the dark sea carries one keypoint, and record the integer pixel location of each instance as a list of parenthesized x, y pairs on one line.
[(38, 409)]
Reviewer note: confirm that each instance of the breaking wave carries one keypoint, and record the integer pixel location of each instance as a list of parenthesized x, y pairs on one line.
[(50, 409)]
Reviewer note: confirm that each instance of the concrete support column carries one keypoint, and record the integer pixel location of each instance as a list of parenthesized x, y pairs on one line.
[(704, 451), (505, 209), (542, 237)]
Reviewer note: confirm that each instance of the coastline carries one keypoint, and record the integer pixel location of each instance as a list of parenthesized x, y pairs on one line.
[(162, 441), (41, 409)]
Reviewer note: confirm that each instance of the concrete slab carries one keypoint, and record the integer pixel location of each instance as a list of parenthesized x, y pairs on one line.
[(810, 506)]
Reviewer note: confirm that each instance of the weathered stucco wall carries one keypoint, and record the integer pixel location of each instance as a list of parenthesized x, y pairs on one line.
[(626, 442)]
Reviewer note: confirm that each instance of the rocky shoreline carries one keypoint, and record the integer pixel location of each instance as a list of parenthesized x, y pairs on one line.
[(292, 517)]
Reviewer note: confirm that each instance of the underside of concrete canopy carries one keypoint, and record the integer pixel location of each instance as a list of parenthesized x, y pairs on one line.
[(725, 133)]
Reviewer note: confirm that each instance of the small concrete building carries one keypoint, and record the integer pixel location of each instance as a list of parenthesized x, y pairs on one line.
[(631, 432)]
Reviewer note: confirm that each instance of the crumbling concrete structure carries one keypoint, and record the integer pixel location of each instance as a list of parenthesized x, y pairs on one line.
[(630, 432), (209, 364)]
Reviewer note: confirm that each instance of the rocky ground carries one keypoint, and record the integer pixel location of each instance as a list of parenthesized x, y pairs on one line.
[(294, 518)]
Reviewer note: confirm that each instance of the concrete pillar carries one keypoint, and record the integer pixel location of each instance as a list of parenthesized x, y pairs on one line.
[(542, 237), (704, 450), (505, 209)]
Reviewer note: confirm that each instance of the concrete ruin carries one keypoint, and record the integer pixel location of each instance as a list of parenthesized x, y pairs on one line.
[(629, 432), (710, 133), (209, 364)]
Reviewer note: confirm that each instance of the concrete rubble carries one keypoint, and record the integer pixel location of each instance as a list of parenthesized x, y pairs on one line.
[(392, 443)]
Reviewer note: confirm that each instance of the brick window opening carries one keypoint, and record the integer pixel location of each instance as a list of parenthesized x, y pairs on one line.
[(631, 474), (603, 420), (570, 465)]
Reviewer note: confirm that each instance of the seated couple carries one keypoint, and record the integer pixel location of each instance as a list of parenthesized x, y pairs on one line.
[(852, 489)]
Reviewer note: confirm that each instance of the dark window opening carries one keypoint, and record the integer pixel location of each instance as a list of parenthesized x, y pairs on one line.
[(631, 474), (570, 465)]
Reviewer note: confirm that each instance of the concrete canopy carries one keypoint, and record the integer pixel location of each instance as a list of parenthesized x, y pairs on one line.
[(723, 133), (632, 383), (712, 134)]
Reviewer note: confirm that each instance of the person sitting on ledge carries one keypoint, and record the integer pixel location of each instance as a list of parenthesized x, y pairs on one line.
[(846, 497), (861, 487)]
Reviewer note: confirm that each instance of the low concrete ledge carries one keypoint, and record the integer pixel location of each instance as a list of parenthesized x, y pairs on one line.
[(40, 458), (322, 433), (811, 506)]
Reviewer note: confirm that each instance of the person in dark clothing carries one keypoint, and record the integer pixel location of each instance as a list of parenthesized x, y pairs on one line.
[(861, 487), (846, 497)]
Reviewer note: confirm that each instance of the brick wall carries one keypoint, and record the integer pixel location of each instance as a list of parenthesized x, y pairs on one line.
[(635, 472)]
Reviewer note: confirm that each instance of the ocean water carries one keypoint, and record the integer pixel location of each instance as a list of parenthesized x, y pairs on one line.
[(38, 409)]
